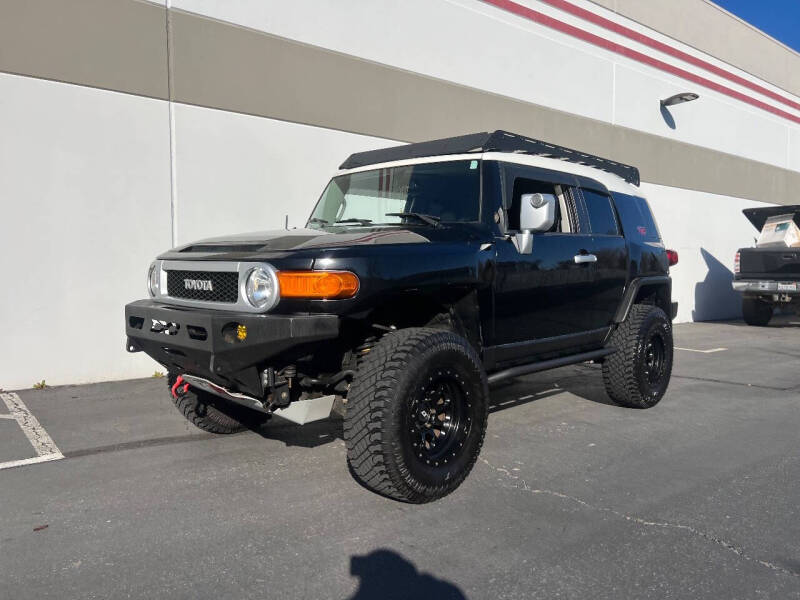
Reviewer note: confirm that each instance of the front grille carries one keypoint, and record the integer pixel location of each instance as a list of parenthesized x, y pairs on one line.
[(225, 286)]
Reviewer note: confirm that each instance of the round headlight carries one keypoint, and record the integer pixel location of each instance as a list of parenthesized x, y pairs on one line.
[(261, 288), (153, 280)]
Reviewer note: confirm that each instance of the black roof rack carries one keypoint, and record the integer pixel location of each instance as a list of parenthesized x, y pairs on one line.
[(496, 141)]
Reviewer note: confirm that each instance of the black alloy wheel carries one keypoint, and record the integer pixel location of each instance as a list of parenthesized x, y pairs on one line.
[(654, 358), (437, 420)]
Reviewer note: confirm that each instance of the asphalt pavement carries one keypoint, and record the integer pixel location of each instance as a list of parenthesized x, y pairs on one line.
[(106, 492)]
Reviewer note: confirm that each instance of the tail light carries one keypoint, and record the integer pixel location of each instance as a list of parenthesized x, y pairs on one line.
[(736, 264), (672, 257)]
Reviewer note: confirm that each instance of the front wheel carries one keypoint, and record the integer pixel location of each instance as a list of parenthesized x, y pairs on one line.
[(638, 373), (416, 415)]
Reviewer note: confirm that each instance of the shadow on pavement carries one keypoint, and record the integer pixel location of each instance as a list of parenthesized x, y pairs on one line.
[(310, 435), (385, 575), (779, 321), (498, 402), (582, 381)]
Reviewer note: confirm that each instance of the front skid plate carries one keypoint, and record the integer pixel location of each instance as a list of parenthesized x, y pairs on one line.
[(299, 411)]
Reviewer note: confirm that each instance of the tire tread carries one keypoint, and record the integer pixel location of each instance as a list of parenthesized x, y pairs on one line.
[(619, 375), (369, 397)]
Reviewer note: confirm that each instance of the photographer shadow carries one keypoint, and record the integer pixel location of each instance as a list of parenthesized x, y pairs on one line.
[(386, 575)]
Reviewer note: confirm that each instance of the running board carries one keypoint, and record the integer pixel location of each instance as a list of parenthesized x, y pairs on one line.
[(544, 365)]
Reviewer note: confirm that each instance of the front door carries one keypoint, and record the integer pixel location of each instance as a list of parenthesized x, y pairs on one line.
[(564, 293), (546, 293)]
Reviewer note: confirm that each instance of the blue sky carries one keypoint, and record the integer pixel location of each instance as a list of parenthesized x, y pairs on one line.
[(778, 18)]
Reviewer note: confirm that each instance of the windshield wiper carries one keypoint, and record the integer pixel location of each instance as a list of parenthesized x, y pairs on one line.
[(429, 219), (318, 220), (355, 220)]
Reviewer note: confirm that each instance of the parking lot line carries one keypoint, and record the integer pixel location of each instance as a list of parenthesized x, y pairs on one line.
[(44, 446), (711, 351), (29, 461)]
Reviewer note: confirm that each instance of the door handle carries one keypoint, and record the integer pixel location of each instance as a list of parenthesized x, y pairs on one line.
[(585, 258)]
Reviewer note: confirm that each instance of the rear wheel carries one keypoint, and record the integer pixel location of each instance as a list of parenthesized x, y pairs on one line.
[(416, 415), (756, 311), (638, 373), (210, 413)]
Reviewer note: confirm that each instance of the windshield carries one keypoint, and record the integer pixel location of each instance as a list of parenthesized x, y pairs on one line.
[(446, 191)]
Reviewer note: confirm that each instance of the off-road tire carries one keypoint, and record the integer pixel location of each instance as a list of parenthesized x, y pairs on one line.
[(209, 413), (392, 382), (629, 376), (756, 312)]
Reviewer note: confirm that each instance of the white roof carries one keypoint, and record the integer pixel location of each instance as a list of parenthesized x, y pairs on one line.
[(613, 182)]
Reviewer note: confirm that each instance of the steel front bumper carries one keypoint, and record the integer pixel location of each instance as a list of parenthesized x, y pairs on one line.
[(192, 341)]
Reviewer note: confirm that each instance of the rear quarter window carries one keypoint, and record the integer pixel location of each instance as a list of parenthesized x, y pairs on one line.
[(601, 213), (638, 223)]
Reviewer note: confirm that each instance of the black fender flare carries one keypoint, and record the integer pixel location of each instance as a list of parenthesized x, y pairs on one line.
[(636, 284)]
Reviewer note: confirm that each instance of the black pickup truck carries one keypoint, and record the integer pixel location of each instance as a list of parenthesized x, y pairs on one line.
[(767, 277), (424, 274)]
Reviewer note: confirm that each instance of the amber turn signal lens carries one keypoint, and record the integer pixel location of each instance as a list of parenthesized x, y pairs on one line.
[(326, 285)]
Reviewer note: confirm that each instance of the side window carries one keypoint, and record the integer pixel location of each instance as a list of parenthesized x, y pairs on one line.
[(637, 218), (601, 213)]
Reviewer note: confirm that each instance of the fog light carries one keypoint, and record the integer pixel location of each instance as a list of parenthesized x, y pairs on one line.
[(234, 333)]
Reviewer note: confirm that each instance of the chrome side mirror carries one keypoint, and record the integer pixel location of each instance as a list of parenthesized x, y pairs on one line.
[(537, 213)]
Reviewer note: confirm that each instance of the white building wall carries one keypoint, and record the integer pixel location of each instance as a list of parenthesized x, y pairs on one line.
[(793, 146), (706, 230), (84, 187), (473, 43)]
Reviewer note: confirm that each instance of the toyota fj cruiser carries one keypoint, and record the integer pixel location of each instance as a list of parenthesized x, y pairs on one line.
[(425, 273)]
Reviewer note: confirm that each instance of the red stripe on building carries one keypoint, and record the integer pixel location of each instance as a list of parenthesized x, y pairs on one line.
[(587, 15), (552, 23)]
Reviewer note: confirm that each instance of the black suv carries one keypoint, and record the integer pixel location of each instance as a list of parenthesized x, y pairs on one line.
[(425, 273)]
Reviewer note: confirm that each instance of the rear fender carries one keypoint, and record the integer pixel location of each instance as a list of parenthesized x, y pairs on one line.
[(656, 290)]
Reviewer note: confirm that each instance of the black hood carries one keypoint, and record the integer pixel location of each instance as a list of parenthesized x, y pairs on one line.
[(302, 239), (267, 244)]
